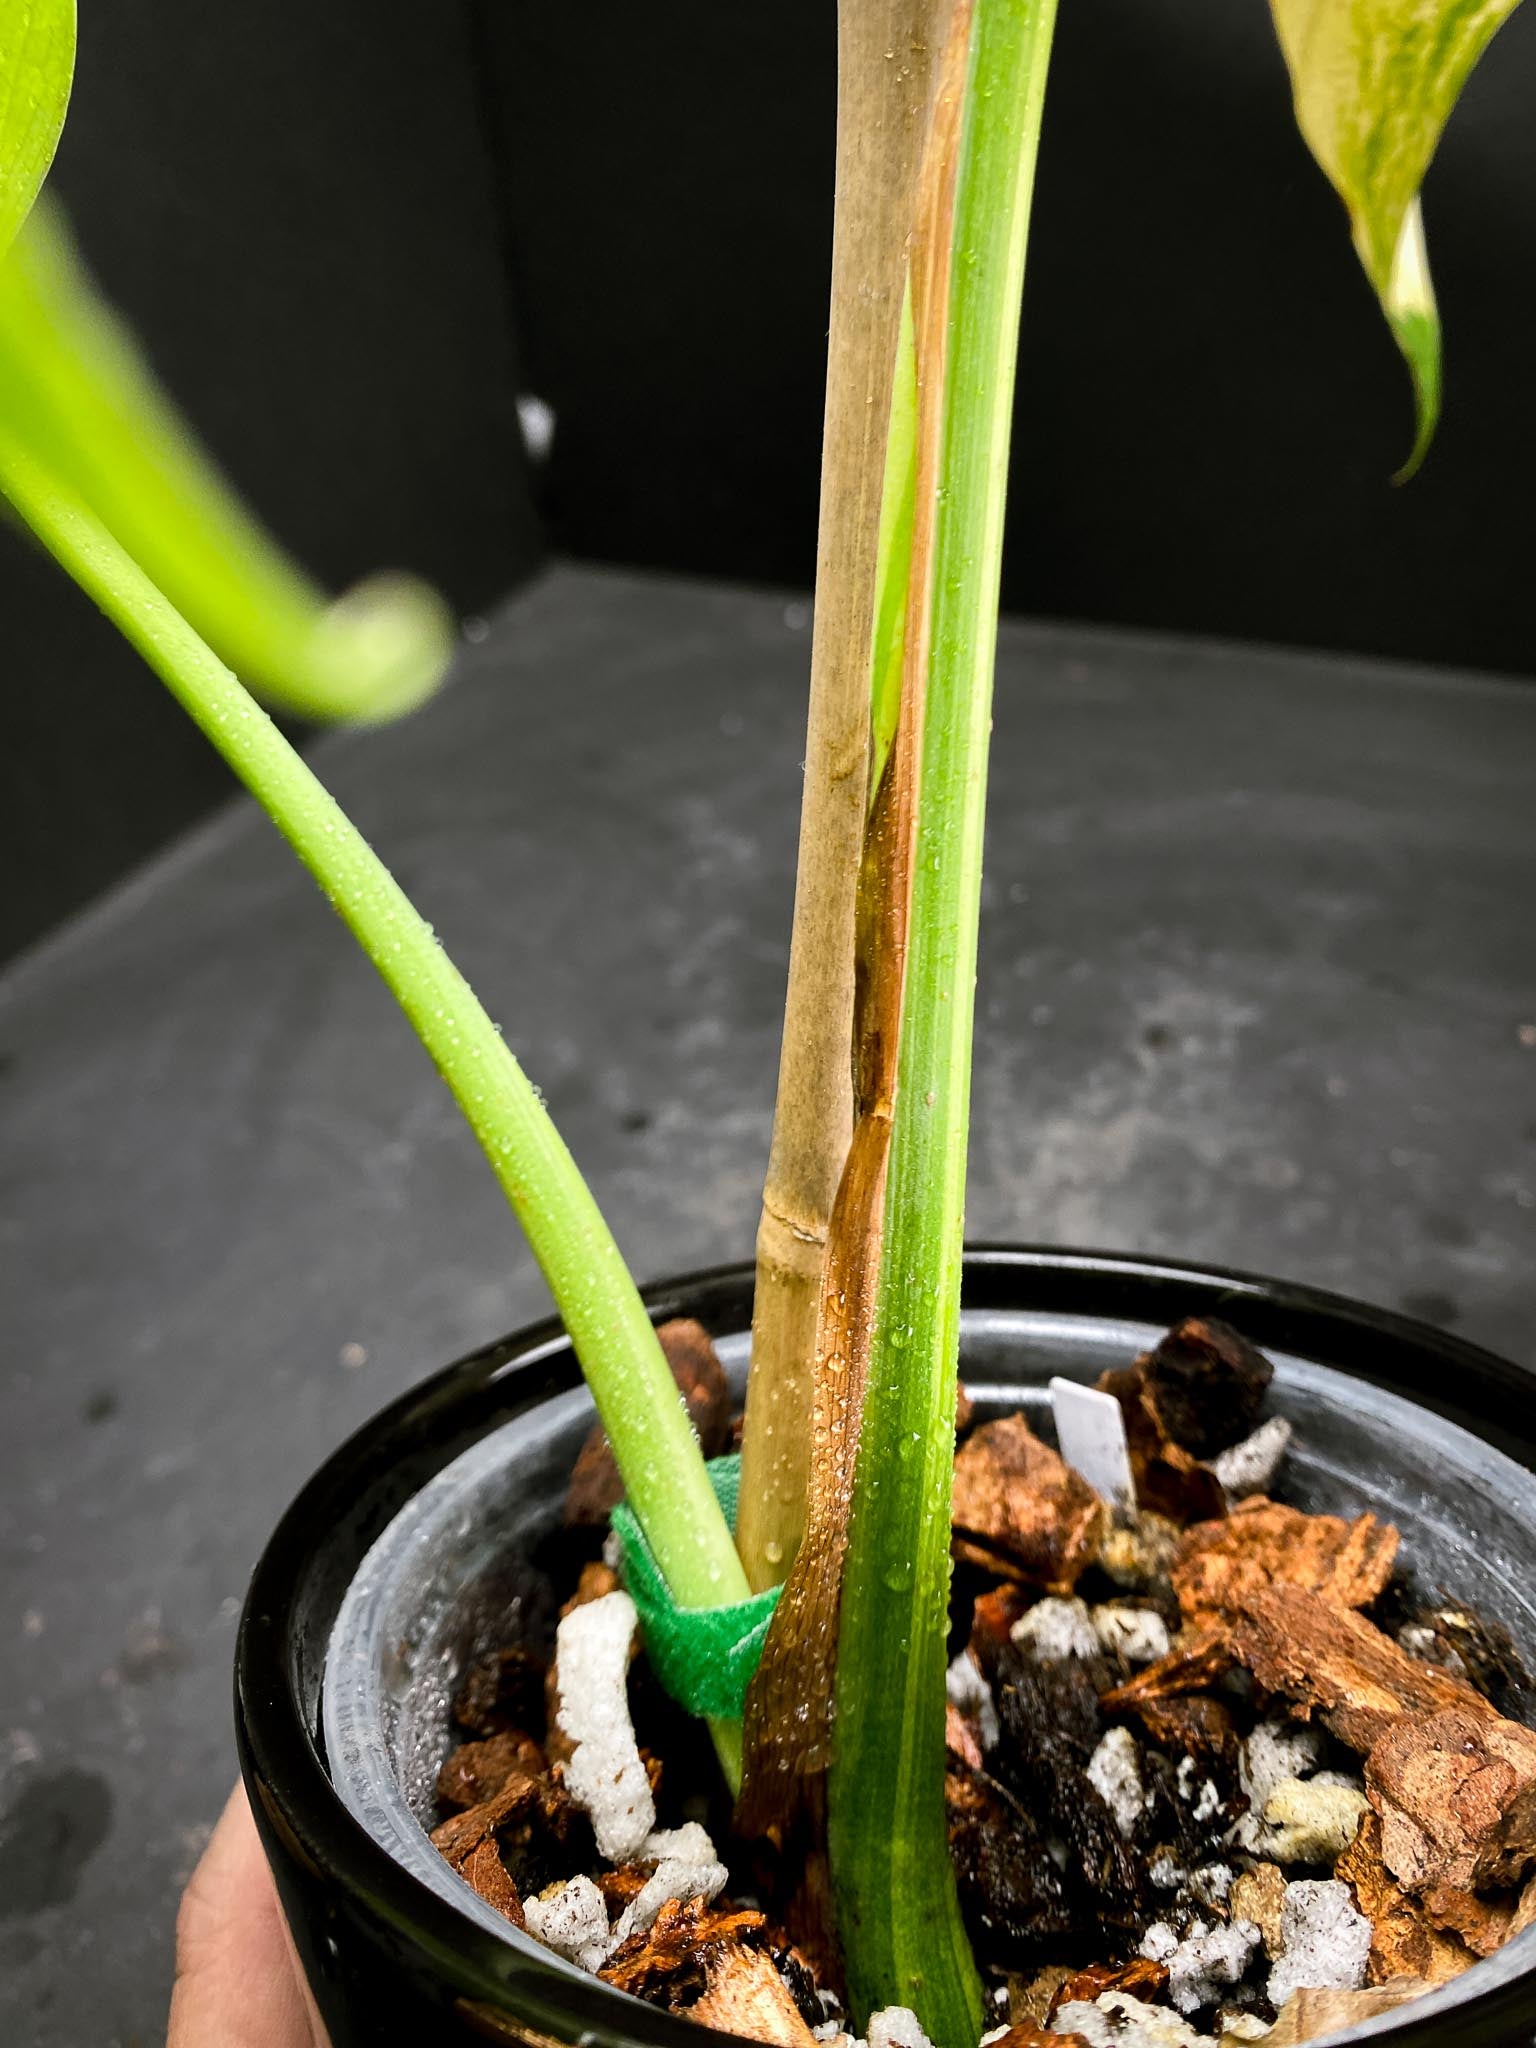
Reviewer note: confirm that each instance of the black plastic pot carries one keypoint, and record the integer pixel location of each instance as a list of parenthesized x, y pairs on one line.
[(398, 1559)]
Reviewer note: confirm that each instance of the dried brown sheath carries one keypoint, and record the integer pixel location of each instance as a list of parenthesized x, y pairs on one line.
[(789, 1706), (884, 65)]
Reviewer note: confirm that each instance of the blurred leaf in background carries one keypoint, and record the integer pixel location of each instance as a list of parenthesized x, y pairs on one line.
[(74, 381), (1375, 82)]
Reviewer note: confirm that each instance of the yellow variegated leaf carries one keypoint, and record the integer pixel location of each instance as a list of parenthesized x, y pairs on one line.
[(37, 62), (1375, 82)]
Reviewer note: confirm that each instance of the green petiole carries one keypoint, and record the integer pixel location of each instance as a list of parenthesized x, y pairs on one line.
[(898, 1917), (631, 1384)]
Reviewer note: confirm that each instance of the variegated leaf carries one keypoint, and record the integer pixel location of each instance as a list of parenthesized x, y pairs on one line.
[(1375, 82)]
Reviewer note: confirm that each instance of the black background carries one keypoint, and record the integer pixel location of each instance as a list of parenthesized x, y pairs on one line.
[(351, 232)]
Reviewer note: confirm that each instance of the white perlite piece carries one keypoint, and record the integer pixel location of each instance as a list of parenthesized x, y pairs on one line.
[(1325, 1943), (965, 1688), (1114, 1772), (572, 1919), (1312, 1820), (1134, 1633), (686, 1868), (1055, 1630), (1277, 1749), (1249, 1467), (993, 2034), (1116, 2020), (894, 2026), (605, 1775), (1205, 1797), (1209, 1959), (1211, 1883)]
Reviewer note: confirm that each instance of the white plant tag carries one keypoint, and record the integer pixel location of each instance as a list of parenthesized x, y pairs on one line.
[(1091, 1431)]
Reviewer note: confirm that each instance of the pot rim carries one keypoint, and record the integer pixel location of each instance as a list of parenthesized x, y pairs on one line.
[(424, 1429)]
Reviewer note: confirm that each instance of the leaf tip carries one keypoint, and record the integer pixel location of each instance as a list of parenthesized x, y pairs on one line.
[(383, 648), (1409, 304)]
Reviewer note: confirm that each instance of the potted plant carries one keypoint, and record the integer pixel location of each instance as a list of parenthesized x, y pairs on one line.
[(847, 1456)]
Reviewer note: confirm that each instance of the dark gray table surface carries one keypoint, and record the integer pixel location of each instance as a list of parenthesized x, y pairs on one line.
[(1258, 985)]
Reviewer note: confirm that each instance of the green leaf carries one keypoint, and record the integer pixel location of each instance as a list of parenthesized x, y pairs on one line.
[(73, 376), (37, 63), (1375, 82)]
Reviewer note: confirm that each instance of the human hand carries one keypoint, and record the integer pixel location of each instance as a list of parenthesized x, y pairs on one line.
[(238, 1983)]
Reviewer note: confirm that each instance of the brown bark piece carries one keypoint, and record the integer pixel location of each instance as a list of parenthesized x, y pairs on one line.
[(1195, 1662), (670, 1958), (1525, 1910), (745, 1995), (1169, 1480), (965, 1410), (992, 1620), (1483, 1924), (1207, 1384), (1020, 1509), (1031, 2001), (485, 1873), (1330, 1661), (1259, 1896), (1403, 1941), (1262, 1543), (1306, 2015), (476, 1771), (1191, 1724), (620, 1884), (1456, 1792), (462, 1833), (596, 1488), (596, 1582), (503, 1691), (1139, 1978)]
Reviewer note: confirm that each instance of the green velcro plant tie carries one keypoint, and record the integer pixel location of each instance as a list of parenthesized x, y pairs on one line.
[(704, 1656)]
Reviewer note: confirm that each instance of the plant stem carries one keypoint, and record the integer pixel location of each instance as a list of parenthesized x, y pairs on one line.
[(884, 65), (789, 1708), (79, 388), (889, 1853), (636, 1397)]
